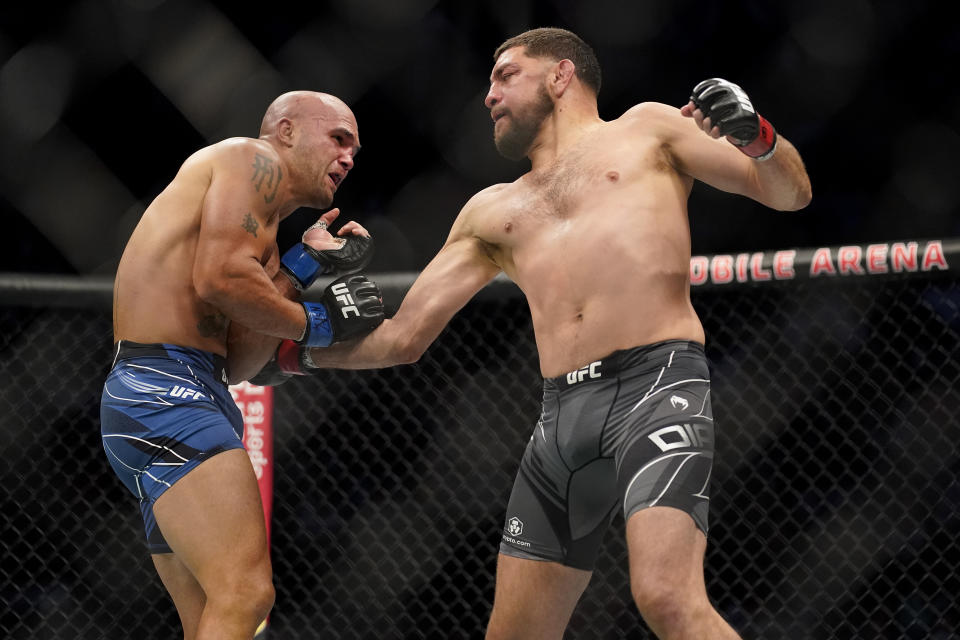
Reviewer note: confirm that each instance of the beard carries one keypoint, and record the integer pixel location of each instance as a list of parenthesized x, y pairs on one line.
[(523, 127)]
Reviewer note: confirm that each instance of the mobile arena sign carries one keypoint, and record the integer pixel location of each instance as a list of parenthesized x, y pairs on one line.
[(805, 264)]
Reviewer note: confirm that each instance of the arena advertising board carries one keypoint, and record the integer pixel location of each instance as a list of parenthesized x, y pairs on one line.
[(880, 259)]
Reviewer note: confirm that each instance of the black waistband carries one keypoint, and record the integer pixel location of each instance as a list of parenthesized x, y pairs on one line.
[(205, 360), (611, 365)]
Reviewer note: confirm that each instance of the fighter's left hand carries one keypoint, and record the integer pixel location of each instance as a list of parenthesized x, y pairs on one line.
[(690, 110), (320, 252), (319, 237), (721, 108)]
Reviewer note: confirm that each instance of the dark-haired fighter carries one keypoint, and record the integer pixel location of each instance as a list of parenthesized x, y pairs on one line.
[(596, 235), (203, 261)]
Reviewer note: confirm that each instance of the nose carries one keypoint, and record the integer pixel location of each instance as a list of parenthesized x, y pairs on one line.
[(346, 160), (493, 97)]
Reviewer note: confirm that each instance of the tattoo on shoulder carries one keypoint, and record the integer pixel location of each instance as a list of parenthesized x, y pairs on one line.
[(266, 177), (250, 224), (211, 325)]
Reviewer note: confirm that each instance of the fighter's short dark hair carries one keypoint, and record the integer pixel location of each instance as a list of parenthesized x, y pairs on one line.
[(558, 44)]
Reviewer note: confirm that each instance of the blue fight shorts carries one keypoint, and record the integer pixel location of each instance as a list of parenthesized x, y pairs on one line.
[(164, 410)]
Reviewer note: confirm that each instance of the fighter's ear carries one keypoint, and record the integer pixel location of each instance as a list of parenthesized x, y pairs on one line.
[(284, 132), (562, 75)]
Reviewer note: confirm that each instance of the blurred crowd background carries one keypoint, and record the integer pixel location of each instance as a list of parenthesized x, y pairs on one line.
[(101, 100)]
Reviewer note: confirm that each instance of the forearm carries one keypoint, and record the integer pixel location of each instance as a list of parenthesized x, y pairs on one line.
[(454, 275), (247, 350), (253, 300), (388, 345), (770, 170), (782, 179)]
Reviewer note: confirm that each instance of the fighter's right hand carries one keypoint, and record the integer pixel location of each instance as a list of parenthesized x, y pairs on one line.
[(348, 253), (287, 361), (350, 307)]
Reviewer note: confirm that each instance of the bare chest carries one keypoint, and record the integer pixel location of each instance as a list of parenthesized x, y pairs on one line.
[(574, 195)]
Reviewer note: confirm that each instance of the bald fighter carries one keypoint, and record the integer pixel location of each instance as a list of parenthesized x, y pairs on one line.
[(596, 235), (200, 286)]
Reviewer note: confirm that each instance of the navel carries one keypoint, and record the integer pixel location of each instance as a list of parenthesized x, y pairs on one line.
[(613, 176)]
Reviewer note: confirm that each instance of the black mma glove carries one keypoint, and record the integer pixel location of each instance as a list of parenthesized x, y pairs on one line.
[(349, 307), (302, 263), (729, 108), (290, 359)]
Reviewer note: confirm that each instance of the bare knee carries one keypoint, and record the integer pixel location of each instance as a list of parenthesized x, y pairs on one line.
[(259, 594), (666, 604), (246, 596), (262, 599)]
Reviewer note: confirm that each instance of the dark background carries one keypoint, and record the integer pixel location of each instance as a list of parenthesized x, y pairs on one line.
[(834, 498), (101, 101), (836, 509)]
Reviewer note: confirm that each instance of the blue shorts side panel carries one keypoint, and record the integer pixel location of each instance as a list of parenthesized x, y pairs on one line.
[(159, 419)]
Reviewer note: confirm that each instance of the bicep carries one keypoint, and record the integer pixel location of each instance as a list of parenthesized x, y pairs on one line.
[(233, 236), (712, 161), (692, 152), (446, 284), (780, 182)]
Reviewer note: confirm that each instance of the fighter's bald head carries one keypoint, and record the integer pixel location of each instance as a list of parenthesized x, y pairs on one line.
[(296, 105)]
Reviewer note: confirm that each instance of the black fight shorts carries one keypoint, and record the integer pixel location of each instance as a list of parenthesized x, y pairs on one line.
[(631, 431)]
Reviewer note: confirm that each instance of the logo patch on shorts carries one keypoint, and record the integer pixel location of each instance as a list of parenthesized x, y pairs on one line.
[(592, 370), (514, 526), (679, 403), (184, 392)]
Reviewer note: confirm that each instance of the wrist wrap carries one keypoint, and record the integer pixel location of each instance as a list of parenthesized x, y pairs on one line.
[(318, 332), (764, 145), (301, 266)]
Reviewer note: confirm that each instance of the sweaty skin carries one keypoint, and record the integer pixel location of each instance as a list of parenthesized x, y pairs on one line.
[(204, 252), (598, 241), (201, 270), (596, 234), (155, 296)]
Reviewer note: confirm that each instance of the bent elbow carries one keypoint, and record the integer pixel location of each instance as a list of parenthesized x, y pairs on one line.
[(410, 348), (799, 199), (409, 352), (237, 378), (210, 290), (206, 288), (803, 197)]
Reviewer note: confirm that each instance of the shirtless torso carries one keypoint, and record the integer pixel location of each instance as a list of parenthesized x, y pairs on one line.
[(596, 235), (155, 292), (598, 242)]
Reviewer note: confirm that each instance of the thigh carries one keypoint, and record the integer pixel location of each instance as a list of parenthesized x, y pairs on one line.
[(664, 441), (534, 599), (565, 492), (666, 550), (186, 593), (213, 521), (155, 439)]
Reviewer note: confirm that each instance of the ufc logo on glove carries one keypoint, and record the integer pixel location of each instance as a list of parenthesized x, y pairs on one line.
[(345, 300)]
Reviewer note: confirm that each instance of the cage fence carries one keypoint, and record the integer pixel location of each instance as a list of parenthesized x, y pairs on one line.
[(835, 495)]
